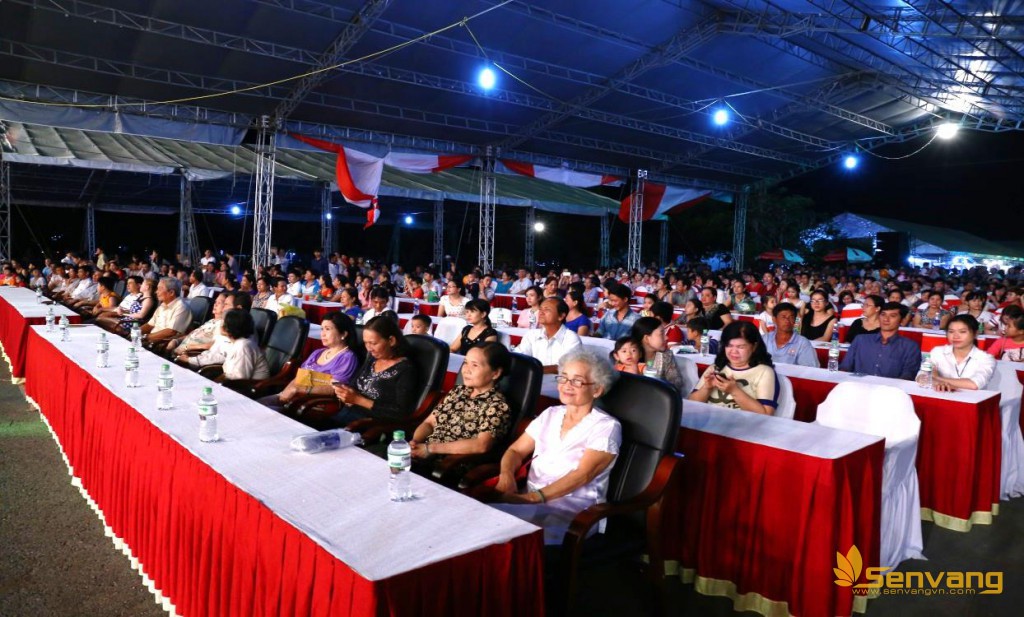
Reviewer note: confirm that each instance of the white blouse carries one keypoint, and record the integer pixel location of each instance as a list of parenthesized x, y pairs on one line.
[(245, 360), (978, 366), (453, 310), (554, 457)]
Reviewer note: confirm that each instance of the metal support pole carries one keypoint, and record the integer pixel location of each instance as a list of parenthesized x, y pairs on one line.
[(488, 188), (326, 220), (663, 245), (90, 230), (636, 213), (439, 231), (531, 236), (263, 211), (606, 240), (739, 228), (5, 207), (188, 241)]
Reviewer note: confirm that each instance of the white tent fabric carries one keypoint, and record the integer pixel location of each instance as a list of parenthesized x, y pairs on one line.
[(1011, 474)]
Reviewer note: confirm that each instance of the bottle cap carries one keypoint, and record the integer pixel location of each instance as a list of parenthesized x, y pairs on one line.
[(165, 367), (398, 435), (207, 390)]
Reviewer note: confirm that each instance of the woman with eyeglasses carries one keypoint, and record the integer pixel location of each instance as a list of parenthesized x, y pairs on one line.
[(742, 376), (869, 323), (571, 448), (453, 303), (819, 318)]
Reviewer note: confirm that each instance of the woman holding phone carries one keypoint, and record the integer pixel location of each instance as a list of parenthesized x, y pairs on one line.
[(742, 376)]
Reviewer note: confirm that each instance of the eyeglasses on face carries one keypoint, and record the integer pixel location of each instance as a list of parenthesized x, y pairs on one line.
[(575, 382)]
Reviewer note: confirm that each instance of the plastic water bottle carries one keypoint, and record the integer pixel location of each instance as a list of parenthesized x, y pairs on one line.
[(208, 416), (650, 370), (515, 303), (136, 336), (311, 443), (796, 325), (833, 351), (103, 351), (131, 369), (50, 319), (705, 343), (415, 307), (65, 332), (937, 322), (165, 388), (924, 377), (400, 464), (39, 295), (533, 319)]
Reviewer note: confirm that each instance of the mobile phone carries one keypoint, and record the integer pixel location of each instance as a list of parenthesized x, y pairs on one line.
[(338, 384)]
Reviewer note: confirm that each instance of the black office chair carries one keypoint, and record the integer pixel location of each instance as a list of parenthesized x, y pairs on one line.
[(649, 411), (119, 288), (521, 387), (431, 359), (283, 351), (200, 307), (263, 320)]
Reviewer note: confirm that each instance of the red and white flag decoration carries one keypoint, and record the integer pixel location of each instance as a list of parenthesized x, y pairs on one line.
[(663, 199), (561, 175), (358, 174)]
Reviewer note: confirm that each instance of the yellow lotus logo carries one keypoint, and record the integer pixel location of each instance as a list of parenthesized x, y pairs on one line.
[(848, 567)]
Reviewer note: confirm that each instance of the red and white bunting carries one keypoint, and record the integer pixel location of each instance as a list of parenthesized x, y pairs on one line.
[(561, 175), (663, 199)]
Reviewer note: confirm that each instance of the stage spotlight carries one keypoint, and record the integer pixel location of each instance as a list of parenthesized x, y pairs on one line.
[(850, 161), (538, 226), (487, 78), (720, 117), (328, 216), (946, 130), (235, 210), (408, 219)]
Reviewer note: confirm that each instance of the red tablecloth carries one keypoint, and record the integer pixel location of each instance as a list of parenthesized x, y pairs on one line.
[(14, 333), (762, 525), (406, 305), (959, 453), (316, 313), (213, 549)]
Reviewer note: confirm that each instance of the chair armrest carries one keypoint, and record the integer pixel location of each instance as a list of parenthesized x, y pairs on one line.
[(274, 383), (242, 386), (313, 411), (372, 428), (479, 475), (651, 494), (450, 468), (212, 371)]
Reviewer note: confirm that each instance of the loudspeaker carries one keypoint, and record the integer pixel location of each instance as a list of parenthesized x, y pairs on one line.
[(893, 247)]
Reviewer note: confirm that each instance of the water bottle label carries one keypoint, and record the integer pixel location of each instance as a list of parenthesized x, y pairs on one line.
[(207, 409), (165, 383), (398, 462)]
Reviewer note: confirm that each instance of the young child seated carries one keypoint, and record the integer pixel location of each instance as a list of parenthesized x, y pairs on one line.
[(628, 356), (419, 324), (694, 328)]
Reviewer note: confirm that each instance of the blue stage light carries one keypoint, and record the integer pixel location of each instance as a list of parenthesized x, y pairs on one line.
[(487, 78), (850, 161), (408, 220), (328, 216), (720, 117), (235, 210)]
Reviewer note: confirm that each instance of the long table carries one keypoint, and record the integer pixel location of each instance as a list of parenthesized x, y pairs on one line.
[(19, 309), (245, 526), (960, 447), (763, 504)]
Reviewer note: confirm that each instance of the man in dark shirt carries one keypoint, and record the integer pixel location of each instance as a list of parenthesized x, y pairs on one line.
[(884, 353)]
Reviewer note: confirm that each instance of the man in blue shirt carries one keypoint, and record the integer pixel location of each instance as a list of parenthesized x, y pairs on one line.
[(618, 317), (884, 353), (784, 344)]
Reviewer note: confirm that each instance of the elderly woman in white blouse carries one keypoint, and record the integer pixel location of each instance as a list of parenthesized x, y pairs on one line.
[(573, 447), (243, 359), (960, 365)]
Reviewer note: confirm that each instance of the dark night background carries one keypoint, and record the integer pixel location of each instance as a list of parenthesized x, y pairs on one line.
[(971, 182)]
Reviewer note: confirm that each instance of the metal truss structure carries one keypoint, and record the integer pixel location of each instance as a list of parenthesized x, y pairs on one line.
[(188, 241), (263, 208), (439, 231), (634, 258), (531, 237), (488, 188), (326, 220)]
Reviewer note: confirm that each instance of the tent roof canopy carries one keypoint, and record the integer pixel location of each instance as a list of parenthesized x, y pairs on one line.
[(606, 85), (950, 240)]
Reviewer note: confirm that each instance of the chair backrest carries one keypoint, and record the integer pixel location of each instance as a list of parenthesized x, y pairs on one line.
[(201, 307), (406, 329), (951, 300), (873, 409), (286, 342), (119, 288), (449, 328), (688, 369), (431, 359), (649, 411), (264, 321), (787, 403), (1004, 380)]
